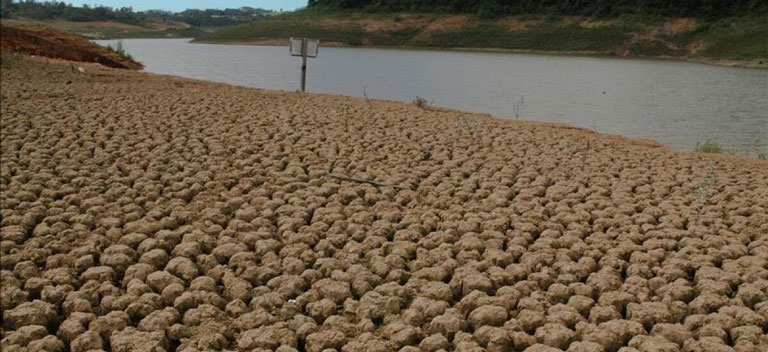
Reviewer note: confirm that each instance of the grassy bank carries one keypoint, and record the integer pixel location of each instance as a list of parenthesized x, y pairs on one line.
[(741, 39)]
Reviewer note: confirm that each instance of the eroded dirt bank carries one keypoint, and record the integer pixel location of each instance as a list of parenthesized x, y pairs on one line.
[(151, 213), (56, 44)]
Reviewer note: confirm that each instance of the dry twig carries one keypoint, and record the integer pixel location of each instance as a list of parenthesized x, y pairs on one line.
[(362, 180)]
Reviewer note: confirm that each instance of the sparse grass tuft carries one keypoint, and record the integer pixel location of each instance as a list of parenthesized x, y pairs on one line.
[(709, 147), (119, 49), (421, 102)]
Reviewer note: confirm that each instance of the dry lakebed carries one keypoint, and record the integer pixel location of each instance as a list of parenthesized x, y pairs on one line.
[(143, 212)]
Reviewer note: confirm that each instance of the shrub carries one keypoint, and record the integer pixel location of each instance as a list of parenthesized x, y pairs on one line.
[(120, 50), (709, 147), (421, 102), (490, 10)]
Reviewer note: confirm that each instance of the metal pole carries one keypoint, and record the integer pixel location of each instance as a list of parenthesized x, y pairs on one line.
[(303, 64)]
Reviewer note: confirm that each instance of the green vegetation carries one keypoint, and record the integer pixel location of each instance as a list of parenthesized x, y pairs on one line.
[(109, 30), (102, 22), (210, 17), (544, 37), (709, 147), (284, 27), (711, 30), (495, 8), (53, 10), (100, 32), (743, 38), (49, 10), (421, 102), (732, 38), (119, 49), (720, 29)]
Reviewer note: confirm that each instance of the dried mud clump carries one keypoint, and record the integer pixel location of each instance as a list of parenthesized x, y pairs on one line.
[(149, 213)]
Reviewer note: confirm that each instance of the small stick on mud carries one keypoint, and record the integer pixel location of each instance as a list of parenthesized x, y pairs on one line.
[(459, 125), (370, 106), (362, 180), (584, 155)]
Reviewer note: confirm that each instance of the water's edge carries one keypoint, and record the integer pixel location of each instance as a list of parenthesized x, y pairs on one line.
[(676, 103), (757, 63)]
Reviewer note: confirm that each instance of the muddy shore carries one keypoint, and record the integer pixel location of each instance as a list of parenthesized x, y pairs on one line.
[(143, 212)]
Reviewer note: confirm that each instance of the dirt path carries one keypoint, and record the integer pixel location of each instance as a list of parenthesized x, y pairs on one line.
[(153, 213)]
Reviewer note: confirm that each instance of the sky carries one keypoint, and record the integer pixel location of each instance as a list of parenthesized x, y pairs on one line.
[(180, 5)]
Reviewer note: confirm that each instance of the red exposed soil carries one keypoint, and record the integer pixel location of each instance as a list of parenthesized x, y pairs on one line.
[(60, 45)]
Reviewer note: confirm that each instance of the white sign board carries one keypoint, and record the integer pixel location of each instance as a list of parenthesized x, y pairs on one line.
[(297, 47), (313, 47)]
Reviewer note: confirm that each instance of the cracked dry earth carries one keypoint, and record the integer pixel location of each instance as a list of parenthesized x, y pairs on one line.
[(152, 213)]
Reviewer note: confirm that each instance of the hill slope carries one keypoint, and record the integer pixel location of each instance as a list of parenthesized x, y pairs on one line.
[(492, 8), (113, 29), (738, 40), (56, 44)]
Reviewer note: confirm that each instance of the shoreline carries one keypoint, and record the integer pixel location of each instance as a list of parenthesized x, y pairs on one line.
[(612, 137), (644, 141), (750, 64)]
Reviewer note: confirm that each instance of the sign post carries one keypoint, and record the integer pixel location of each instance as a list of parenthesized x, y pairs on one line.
[(305, 48)]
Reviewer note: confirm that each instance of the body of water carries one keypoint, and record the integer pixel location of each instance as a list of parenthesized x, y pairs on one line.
[(678, 104)]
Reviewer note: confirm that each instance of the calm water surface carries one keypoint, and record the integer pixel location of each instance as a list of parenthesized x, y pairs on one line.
[(675, 103)]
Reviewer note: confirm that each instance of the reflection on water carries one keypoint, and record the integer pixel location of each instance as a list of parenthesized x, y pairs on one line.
[(675, 103)]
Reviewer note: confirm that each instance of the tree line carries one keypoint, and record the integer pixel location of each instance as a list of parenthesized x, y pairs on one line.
[(600, 8), (59, 10), (49, 10)]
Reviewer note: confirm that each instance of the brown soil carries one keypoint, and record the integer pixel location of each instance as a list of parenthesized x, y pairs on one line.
[(597, 23), (391, 25), (446, 23), (515, 24), (696, 46), (13, 22), (47, 42), (152, 213), (163, 26), (679, 25), (114, 24)]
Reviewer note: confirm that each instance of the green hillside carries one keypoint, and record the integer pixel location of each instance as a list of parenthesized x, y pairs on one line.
[(598, 8), (740, 38)]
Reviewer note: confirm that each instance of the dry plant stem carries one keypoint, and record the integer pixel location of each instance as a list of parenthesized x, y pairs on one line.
[(361, 180), (517, 106), (365, 95)]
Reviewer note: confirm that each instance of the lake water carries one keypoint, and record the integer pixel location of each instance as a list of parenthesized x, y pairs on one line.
[(675, 103)]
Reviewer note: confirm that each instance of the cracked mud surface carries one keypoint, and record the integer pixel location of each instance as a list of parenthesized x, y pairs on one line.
[(152, 213)]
